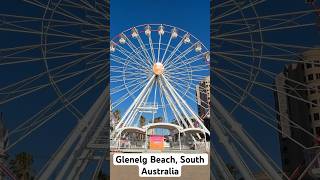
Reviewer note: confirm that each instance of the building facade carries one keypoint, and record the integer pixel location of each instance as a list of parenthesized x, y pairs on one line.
[(297, 96), (203, 98)]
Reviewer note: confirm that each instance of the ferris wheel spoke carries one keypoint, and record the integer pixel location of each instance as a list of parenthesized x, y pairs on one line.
[(127, 95), (151, 49), (268, 17), (182, 87), (57, 9), (270, 87), (17, 90), (260, 116), (132, 57), (119, 60), (270, 44), (265, 58), (247, 46), (159, 45), (88, 59), (8, 27), (135, 50), (164, 109), (237, 140), (122, 87), (46, 119), (144, 50), (189, 95), (181, 55), (8, 52), (34, 123), (223, 4), (17, 60), (35, 77), (238, 8), (271, 75), (242, 28), (11, 18), (177, 114), (166, 50), (174, 50), (121, 80), (261, 30), (187, 63), (268, 109), (285, 21), (175, 80)]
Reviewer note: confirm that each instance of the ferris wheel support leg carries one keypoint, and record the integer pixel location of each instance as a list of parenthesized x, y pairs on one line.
[(80, 151), (172, 92), (130, 119), (68, 144), (236, 127), (221, 166), (232, 151), (98, 168), (176, 113), (134, 104), (186, 105), (78, 168)]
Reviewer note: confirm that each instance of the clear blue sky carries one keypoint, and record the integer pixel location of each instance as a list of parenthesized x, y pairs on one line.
[(192, 16)]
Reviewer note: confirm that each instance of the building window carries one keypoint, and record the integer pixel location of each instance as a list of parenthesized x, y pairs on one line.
[(318, 131), (312, 91), (318, 75), (316, 116), (309, 118), (310, 77), (309, 65), (314, 103), (317, 63)]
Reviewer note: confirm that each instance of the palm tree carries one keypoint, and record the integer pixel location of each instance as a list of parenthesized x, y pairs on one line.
[(158, 120), (117, 116), (142, 121), (21, 166)]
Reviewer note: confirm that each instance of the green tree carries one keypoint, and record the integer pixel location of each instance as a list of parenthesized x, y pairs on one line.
[(21, 166), (158, 120), (142, 121), (117, 116)]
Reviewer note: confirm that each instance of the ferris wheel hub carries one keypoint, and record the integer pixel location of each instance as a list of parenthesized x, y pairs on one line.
[(158, 68)]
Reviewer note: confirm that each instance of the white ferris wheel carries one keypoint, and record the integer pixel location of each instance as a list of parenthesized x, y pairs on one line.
[(154, 72)]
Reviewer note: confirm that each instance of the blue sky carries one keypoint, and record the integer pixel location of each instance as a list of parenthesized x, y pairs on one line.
[(192, 16)]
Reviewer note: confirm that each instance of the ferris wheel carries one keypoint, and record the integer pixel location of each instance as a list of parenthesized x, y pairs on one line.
[(155, 69), (254, 52)]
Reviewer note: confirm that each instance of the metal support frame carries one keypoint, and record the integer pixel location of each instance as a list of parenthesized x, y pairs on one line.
[(236, 128), (77, 141), (231, 149)]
